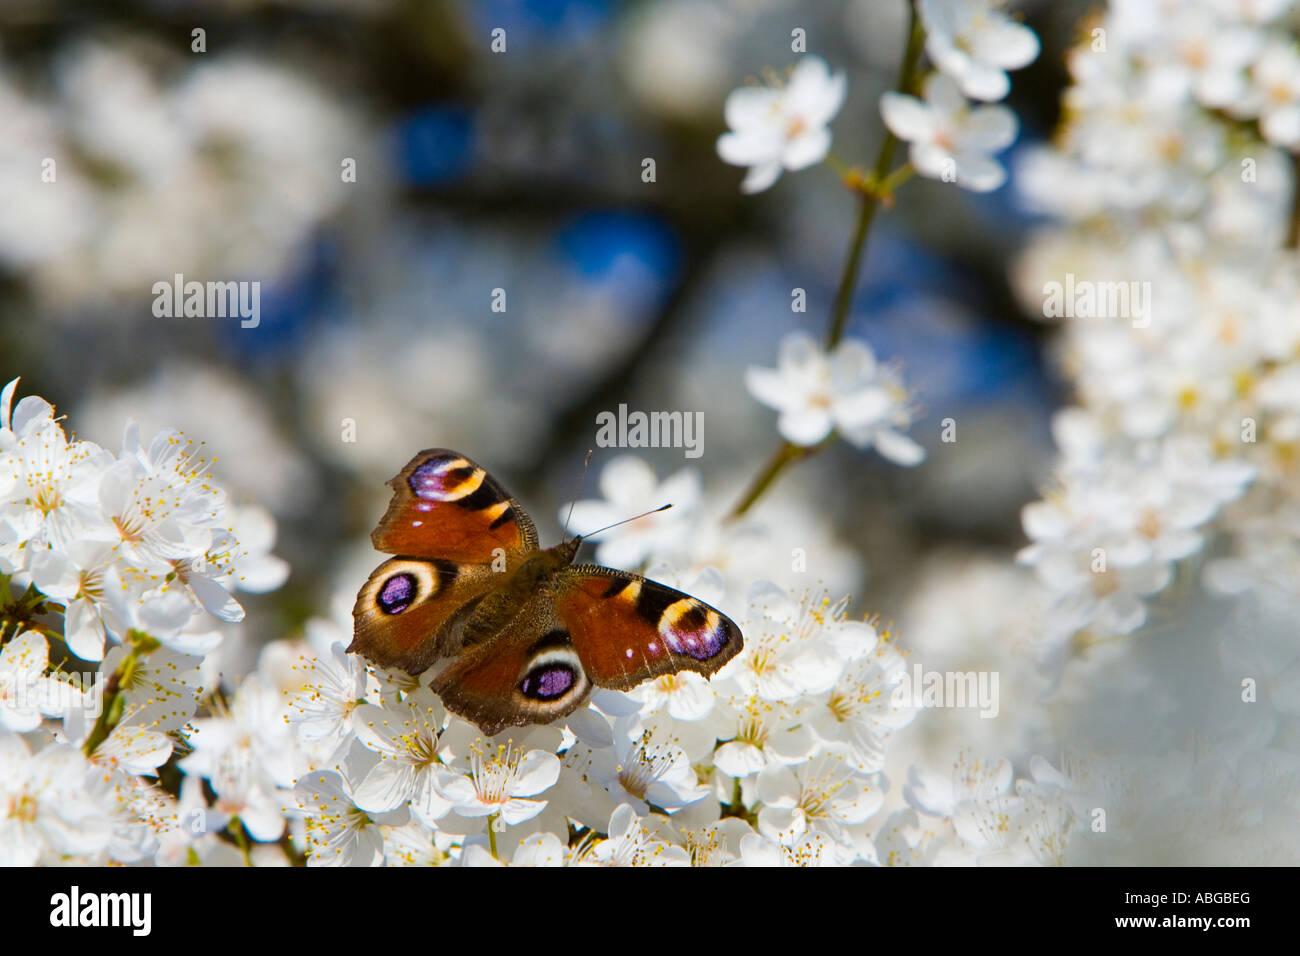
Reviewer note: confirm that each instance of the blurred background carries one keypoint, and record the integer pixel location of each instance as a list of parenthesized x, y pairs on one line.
[(521, 171)]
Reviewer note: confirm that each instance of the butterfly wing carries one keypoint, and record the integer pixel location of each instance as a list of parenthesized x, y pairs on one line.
[(445, 506), (627, 629), (458, 534), (530, 673), (411, 612)]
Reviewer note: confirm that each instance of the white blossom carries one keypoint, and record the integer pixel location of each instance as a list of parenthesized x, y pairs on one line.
[(783, 127)]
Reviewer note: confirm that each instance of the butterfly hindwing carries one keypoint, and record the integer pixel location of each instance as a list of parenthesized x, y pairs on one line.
[(530, 673), (408, 611), (446, 506), (627, 629)]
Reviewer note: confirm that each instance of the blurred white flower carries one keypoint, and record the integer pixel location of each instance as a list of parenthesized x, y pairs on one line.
[(949, 139), (901, 840), (240, 433), (975, 43), (1109, 536), (215, 171), (1209, 54), (845, 391), (253, 567), (1274, 93), (784, 127), (630, 489), (49, 812)]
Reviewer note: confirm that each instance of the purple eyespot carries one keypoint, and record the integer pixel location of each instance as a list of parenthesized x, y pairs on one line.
[(548, 681), (441, 479), (697, 634), (397, 593)]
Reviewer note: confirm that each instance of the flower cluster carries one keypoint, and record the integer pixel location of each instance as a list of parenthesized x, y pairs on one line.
[(1170, 266), (972, 44), (1174, 276), (142, 540), (139, 550), (777, 759), (317, 756), (979, 814), (784, 125), (117, 179)]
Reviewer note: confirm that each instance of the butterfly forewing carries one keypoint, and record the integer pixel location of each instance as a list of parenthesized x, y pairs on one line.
[(458, 534), (445, 506), (628, 629)]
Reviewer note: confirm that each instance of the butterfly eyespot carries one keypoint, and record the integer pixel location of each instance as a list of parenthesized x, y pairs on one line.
[(548, 682), (691, 629), (397, 593), (445, 479)]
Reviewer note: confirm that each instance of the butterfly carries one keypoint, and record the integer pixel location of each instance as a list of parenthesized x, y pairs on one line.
[(522, 632)]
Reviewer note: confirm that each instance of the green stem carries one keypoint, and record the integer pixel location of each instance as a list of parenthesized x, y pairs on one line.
[(114, 703), (785, 455), (18, 615), (870, 194), (736, 808), (852, 265), (291, 852), (839, 166), (237, 830), (1293, 231), (492, 836), (869, 201), (885, 188)]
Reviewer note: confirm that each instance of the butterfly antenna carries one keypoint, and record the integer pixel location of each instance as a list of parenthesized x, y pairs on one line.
[(581, 481), (652, 511)]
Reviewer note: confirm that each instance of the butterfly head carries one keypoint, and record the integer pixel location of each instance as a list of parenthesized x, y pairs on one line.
[(562, 554), (543, 565)]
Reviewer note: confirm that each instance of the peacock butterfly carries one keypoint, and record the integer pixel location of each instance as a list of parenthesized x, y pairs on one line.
[(523, 633)]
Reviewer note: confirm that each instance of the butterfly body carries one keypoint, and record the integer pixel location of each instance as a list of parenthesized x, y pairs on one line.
[(522, 634)]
